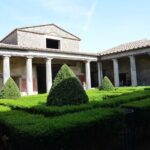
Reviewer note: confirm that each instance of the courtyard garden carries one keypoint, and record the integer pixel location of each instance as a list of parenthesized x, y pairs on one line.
[(100, 119)]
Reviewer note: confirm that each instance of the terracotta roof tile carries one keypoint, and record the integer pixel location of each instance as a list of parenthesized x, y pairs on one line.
[(127, 47)]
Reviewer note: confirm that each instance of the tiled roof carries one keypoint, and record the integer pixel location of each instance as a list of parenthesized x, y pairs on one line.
[(127, 47)]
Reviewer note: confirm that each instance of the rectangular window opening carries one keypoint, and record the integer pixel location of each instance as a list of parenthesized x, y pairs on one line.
[(51, 43)]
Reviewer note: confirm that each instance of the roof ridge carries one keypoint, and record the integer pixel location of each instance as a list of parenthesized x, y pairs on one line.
[(32, 26), (52, 24)]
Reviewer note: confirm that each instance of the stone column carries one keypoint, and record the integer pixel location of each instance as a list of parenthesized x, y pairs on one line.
[(48, 73), (29, 78), (6, 68), (116, 72), (88, 74), (100, 73), (133, 70)]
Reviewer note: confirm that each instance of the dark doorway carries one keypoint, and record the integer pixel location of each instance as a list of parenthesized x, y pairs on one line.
[(123, 79), (55, 69), (94, 75), (41, 78)]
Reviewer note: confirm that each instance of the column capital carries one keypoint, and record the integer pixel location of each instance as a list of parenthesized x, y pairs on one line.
[(6, 55), (29, 57), (131, 56), (114, 59), (48, 58), (87, 60), (99, 61)]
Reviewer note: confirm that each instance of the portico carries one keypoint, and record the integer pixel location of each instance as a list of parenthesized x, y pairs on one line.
[(33, 55), (125, 66), (27, 64)]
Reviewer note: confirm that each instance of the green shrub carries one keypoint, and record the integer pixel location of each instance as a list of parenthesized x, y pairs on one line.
[(117, 101), (28, 131), (144, 104), (106, 84), (66, 89), (10, 90)]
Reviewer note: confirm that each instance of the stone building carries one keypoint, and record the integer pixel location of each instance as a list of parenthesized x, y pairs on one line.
[(33, 55)]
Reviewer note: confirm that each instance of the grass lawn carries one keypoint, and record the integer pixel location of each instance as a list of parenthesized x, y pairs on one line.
[(36, 104), (29, 118)]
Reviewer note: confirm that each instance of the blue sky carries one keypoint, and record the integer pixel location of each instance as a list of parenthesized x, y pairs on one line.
[(101, 24)]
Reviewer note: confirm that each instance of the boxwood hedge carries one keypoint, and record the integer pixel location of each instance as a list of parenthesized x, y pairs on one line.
[(71, 131)]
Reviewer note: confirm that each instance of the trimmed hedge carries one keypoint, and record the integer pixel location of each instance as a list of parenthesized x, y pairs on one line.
[(117, 101), (27, 131), (139, 119), (36, 106), (106, 84), (144, 104), (66, 89), (10, 90), (51, 110)]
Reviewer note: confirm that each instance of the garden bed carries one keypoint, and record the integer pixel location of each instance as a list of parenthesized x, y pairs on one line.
[(27, 131), (71, 127)]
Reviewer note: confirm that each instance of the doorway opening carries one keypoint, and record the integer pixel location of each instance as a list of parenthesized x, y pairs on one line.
[(41, 79), (123, 79), (55, 69)]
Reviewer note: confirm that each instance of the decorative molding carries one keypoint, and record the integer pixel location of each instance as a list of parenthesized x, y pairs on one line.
[(40, 54)]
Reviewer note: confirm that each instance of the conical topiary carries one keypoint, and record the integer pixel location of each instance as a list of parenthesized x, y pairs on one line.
[(106, 84), (10, 90), (66, 89)]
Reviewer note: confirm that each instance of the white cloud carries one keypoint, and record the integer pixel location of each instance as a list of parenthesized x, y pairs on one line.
[(69, 7), (74, 9), (89, 15)]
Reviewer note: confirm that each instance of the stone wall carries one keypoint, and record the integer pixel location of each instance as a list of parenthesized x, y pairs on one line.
[(33, 40)]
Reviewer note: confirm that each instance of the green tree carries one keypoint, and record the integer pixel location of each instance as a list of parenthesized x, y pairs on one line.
[(10, 90), (106, 84), (66, 89)]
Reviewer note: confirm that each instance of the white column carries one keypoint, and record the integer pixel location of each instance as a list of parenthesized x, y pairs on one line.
[(88, 74), (6, 68), (48, 73), (29, 78), (116, 72), (100, 74), (133, 71)]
